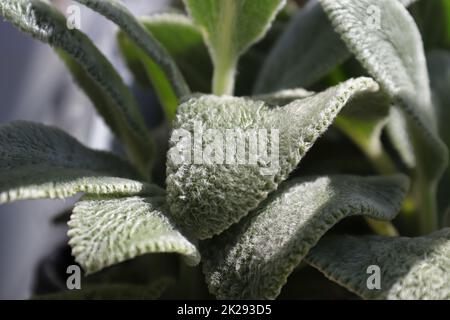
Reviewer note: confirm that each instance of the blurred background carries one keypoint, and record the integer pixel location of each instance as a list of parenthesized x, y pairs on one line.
[(35, 86)]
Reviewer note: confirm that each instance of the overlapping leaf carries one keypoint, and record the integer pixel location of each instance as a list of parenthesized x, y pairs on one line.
[(230, 28), (253, 259), (410, 268), (362, 122), (106, 231), (206, 197), (307, 51), (40, 20), (390, 48), (37, 161)]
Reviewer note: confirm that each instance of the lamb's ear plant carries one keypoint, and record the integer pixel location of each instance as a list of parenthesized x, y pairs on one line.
[(249, 225)]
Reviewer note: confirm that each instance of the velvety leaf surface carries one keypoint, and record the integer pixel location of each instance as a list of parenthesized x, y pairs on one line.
[(253, 259), (106, 231), (229, 29), (43, 22), (391, 50), (308, 50), (411, 268), (38, 161), (362, 122), (206, 197)]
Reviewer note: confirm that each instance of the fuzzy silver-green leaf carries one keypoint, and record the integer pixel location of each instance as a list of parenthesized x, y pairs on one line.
[(385, 39), (253, 259), (104, 231), (207, 198), (411, 268), (42, 21), (38, 161), (308, 50)]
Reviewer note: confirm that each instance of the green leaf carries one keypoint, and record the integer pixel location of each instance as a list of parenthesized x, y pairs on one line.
[(390, 48), (37, 161), (229, 29), (112, 292), (253, 259), (410, 268), (119, 14), (363, 124), (187, 49), (121, 113), (106, 231), (433, 21), (307, 51), (205, 196)]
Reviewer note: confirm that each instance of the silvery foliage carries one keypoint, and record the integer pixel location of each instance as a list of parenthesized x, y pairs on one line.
[(249, 229)]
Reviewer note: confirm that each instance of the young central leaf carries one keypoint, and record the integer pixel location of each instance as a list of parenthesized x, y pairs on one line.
[(229, 153), (230, 28)]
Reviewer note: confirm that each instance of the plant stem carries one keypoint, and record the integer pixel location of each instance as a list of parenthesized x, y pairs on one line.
[(383, 228), (223, 81), (426, 207), (370, 144)]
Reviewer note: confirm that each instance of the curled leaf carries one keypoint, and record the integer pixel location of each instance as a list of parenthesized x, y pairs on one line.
[(104, 231), (205, 196), (253, 259)]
